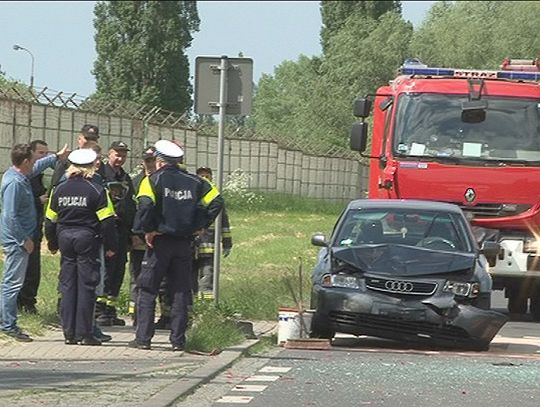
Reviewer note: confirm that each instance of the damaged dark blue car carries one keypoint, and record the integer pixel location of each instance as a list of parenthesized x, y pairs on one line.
[(405, 270)]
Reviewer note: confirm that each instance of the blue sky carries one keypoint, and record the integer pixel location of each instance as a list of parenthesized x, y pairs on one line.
[(60, 35)]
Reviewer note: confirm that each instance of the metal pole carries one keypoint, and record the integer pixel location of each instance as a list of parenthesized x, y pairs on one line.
[(19, 48), (219, 173)]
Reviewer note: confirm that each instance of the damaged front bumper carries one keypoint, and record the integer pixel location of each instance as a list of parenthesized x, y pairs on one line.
[(437, 319)]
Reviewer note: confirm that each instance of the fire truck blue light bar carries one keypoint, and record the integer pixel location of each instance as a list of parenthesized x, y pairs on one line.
[(469, 73)]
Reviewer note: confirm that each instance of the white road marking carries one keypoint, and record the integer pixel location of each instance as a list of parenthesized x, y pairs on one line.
[(249, 387), (262, 378), (274, 369), (235, 399)]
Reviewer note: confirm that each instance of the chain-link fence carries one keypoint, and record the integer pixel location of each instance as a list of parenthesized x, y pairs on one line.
[(273, 164)]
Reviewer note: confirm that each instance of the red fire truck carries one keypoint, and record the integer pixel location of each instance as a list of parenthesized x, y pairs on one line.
[(469, 137)]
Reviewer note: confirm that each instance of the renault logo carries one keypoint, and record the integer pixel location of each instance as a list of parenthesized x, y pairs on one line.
[(470, 195), (398, 286)]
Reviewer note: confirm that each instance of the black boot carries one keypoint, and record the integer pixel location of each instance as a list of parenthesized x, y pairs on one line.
[(114, 318), (90, 341), (105, 317)]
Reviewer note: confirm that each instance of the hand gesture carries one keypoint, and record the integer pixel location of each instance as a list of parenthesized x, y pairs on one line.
[(149, 238), (63, 153)]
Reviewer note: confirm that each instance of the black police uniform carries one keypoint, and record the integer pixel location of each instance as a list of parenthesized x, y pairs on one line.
[(79, 214), (214, 204), (173, 203)]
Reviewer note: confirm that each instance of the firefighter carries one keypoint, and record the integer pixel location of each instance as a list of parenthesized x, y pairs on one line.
[(79, 213), (205, 248), (120, 186), (173, 206), (138, 245)]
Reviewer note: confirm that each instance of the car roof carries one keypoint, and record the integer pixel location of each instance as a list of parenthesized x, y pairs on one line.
[(404, 204)]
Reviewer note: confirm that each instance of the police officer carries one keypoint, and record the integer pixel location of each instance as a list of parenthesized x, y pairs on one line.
[(205, 247), (172, 206), (214, 203), (79, 213)]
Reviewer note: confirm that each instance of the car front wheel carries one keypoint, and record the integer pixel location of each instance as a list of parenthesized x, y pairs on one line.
[(535, 304), (320, 329)]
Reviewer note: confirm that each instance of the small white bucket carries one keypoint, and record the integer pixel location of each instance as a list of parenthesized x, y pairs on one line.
[(289, 324)]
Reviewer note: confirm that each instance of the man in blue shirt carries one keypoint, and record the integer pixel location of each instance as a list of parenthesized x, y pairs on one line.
[(18, 229)]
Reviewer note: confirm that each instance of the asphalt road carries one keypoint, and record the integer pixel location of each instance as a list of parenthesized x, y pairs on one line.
[(364, 371)]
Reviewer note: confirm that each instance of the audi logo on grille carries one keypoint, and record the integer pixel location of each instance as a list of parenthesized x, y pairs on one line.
[(398, 286)]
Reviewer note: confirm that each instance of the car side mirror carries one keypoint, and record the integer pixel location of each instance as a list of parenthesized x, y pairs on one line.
[(490, 249), (318, 239)]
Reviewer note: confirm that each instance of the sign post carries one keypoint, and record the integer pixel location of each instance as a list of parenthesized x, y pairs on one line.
[(222, 86)]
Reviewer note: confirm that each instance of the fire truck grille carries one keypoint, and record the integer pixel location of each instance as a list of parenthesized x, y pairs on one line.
[(491, 210)]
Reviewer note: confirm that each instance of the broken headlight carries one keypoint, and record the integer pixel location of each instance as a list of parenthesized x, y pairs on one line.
[(470, 290), (340, 280)]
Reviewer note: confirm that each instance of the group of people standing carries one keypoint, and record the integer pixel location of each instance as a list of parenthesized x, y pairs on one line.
[(95, 214)]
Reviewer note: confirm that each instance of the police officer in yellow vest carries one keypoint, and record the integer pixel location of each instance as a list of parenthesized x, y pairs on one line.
[(79, 215), (173, 205)]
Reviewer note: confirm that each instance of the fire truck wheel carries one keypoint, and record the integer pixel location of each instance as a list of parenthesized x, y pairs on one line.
[(535, 305), (517, 304)]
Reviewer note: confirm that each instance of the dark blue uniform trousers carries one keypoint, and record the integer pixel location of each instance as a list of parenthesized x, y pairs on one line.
[(170, 257), (79, 277)]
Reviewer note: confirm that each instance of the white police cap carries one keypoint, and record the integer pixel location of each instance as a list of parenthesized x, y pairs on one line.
[(82, 156), (168, 150)]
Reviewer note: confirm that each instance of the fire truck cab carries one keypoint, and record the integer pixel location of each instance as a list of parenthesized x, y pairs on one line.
[(472, 138)]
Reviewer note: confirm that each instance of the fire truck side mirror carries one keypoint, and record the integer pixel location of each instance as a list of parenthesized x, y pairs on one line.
[(359, 134), (362, 107)]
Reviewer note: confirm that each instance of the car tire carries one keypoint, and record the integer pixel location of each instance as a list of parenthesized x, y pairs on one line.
[(483, 301), (320, 329), (322, 334), (517, 304), (535, 304), (480, 347)]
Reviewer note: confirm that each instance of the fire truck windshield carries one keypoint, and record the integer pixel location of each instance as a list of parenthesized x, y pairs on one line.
[(429, 125)]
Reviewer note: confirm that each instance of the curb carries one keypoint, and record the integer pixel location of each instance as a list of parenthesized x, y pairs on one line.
[(202, 375)]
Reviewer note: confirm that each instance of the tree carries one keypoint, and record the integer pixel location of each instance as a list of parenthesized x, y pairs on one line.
[(310, 100), (335, 13), (141, 51), (282, 105), (361, 57), (478, 34)]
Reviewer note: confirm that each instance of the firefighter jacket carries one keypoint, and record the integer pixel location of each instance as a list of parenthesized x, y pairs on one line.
[(137, 230), (175, 203), (80, 203), (122, 194), (59, 172), (205, 244)]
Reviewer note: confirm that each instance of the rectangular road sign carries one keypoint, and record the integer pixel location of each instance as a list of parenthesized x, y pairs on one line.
[(239, 85)]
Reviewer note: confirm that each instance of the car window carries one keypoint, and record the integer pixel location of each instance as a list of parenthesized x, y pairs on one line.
[(429, 229)]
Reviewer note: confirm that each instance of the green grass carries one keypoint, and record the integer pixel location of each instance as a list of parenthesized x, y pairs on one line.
[(271, 240)]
